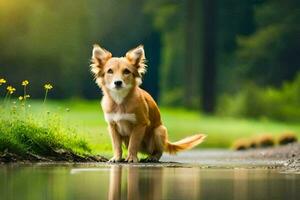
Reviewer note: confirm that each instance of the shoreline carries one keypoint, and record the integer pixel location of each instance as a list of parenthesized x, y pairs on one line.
[(285, 158), (59, 156)]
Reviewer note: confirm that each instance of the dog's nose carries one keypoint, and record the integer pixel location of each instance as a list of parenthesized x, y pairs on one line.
[(118, 83)]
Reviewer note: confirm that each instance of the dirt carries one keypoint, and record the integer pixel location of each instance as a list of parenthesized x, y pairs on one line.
[(285, 157), (59, 156)]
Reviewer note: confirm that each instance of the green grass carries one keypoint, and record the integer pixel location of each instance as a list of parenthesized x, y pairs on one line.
[(43, 134), (221, 131), (87, 118)]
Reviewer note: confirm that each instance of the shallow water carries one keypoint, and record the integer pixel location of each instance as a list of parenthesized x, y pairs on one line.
[(144, 182)]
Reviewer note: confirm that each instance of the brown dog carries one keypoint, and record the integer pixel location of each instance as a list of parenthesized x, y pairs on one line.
[(131, 113)]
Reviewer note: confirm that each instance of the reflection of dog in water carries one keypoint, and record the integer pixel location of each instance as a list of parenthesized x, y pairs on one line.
[(147, 186), (131, 113), (153, 183)]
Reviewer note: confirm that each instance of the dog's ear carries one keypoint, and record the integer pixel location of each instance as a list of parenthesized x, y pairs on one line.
[(137, 58), (99, 57)]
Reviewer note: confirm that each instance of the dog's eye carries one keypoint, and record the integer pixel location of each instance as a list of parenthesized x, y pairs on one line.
[(126, 71), (110, 71)]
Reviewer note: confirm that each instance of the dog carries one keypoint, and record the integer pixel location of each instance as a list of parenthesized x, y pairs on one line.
[(132, 115)]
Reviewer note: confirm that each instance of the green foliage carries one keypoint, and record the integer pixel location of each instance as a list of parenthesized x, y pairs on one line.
[(172, 97), (270, 55), (168, 18), (256, 41), (54, 39), (256, 102)]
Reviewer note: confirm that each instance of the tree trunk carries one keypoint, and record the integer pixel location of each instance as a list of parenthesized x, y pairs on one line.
[(208, 89), (189, 53)]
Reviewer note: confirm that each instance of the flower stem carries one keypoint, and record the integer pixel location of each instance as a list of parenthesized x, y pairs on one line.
[(24, 90), (45, 98), (5, 98), (24, 97)]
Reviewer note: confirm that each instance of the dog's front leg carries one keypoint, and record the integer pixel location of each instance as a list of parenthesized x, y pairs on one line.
[(116, 143), (135, 141)]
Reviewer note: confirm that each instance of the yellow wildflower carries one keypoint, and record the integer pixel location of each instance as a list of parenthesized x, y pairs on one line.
[(24, 97), (2, 80), (48, 86), (25, 82), (11, 89)]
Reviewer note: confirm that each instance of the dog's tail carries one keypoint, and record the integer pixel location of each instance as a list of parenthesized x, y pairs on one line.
[(184, 144)]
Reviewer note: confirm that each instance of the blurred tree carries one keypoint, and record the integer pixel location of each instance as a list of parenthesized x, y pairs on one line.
[(42, 41), (182, 51), (189, 52), (168, 19), (51, 41), (152, 45), (197, 50), (208, 89), (118, 29), (192, 56), (270, 55), (235, 18)]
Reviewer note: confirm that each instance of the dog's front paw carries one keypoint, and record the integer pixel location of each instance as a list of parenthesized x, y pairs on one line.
[(115, 159), (132, 158)]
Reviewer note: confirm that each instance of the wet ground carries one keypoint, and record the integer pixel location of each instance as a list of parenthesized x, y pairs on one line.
[(205, 174)]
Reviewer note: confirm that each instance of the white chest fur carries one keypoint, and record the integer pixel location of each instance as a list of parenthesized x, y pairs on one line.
[(116, 117), (124, 122)]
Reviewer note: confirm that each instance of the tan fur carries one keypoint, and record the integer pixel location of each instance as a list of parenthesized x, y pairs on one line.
[(132, 115)]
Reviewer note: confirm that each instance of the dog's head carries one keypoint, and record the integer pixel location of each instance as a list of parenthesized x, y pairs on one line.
[(118, 73)]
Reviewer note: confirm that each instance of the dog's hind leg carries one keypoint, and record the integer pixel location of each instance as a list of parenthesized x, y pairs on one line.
[(157, 145)]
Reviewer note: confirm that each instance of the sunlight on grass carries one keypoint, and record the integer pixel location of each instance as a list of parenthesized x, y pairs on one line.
[(87, 118), (221, 131)]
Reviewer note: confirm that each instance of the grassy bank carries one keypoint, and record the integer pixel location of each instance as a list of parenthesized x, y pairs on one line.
[(39, 135)]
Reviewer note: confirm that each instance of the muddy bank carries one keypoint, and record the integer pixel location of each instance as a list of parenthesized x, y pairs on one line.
[(57, 156)]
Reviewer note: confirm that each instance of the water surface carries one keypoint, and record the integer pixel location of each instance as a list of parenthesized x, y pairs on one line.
[(98, 181)]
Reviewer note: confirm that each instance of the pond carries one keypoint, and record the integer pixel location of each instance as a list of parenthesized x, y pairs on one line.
[(103, 181)]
